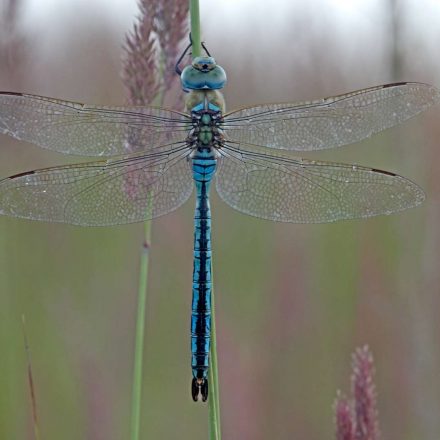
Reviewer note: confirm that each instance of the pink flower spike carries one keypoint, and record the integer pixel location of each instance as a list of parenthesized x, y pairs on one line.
[(344, 418), (140, 61), (171, 27), (364, 393)]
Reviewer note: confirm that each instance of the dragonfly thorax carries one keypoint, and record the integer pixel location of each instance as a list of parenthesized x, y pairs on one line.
[(196, 99), (206, 133)]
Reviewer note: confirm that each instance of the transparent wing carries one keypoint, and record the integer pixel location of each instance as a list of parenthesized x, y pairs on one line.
[(329, 122), (73, 128), (124, 190), (304, 191)]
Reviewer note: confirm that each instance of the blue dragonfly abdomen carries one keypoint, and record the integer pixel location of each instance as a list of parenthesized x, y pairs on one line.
[(203, 166)]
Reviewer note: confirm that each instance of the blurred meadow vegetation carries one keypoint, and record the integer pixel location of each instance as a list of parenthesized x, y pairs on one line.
[(292, 300)]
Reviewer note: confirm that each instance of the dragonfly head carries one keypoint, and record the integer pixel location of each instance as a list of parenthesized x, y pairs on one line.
[(203, 74)]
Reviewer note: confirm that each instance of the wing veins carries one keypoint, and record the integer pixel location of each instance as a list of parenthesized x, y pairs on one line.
[(290, 172), (124, 170), (322, 103)]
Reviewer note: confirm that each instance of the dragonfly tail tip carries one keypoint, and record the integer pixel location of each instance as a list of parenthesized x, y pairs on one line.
[(199, 387)]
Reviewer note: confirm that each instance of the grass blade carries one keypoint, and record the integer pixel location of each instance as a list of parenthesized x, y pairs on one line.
[(139, 338), (214, 395), (31, 382), (214, 398)]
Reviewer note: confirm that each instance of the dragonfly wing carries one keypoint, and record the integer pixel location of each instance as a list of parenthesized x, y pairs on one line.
[(124, 190), (329, 122), (305, 191), (73, 128)]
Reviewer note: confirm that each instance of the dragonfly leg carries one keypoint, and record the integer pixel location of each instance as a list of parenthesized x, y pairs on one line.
[(177, 66), (199, 387)]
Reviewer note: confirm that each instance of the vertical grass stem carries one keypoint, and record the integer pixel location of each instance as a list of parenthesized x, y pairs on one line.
[(214, 399), (31, 382), (195, 28), (139, 338)]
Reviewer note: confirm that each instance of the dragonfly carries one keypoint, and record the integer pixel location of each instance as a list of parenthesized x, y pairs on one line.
[(155, 157)]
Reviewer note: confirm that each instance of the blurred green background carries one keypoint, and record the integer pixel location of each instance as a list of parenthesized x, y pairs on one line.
[(293, 301)]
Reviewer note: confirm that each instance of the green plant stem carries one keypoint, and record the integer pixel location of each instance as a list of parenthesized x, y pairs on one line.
[(213, 399), (195, 28), (139, 338), (31, 382)]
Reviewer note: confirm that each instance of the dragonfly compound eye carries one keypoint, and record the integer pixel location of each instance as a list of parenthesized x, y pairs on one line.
[(203, 74)]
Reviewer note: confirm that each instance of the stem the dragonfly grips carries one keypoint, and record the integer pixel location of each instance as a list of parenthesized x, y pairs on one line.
[(177, 66)]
